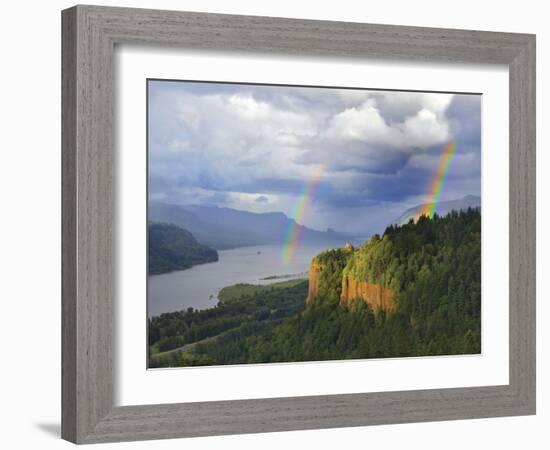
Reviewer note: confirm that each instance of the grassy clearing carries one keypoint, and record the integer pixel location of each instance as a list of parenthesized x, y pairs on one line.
[(230, 293)]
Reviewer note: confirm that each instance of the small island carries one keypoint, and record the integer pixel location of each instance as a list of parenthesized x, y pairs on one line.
[(284, 276)]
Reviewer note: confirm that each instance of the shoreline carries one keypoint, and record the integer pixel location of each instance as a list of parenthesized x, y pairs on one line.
[(248, 288)]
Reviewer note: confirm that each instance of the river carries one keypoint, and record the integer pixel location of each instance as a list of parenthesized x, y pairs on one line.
[(198, 286)]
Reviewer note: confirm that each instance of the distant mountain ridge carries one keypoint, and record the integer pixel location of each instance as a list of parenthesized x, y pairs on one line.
[(442, 208), (224, 228)]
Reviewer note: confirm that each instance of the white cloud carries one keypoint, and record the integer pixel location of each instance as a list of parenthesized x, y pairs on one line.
[(236, 131), (396, 106), (423, 129), (363, 122)]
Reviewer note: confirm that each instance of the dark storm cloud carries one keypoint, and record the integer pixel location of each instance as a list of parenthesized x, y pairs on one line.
[(465, 117)]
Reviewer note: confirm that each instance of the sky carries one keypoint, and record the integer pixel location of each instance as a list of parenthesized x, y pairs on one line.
[(362, 156)]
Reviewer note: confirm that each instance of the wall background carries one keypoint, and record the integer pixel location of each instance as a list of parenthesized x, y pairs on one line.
[(30, 226)]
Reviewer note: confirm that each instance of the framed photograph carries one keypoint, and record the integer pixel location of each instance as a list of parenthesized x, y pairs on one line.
[(278, 224)]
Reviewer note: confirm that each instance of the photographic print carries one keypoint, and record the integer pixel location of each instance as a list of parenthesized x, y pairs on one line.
[(297, 223)]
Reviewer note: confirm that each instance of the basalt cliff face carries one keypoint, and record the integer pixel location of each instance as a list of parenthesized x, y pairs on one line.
[(325, 276), (327, 281), (376, 296), (313, 277)]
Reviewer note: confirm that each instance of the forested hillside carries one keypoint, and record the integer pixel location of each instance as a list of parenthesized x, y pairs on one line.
[(440, 208), (173, 248)]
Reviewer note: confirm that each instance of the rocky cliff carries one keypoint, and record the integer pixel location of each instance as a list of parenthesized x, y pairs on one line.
[(385, 270), (313, 277), (375, 295), (325, 276), (327, 280)]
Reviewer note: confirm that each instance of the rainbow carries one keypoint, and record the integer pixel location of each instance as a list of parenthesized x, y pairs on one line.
[(292, 235), (433, 194)]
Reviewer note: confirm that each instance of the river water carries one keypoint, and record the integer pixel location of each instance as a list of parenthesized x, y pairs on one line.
[(198, 286)]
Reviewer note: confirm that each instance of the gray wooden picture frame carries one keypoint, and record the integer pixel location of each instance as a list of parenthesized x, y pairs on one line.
[(89, 37)]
